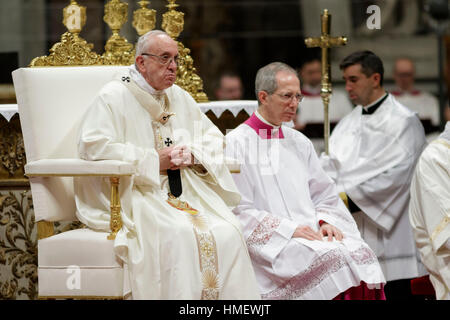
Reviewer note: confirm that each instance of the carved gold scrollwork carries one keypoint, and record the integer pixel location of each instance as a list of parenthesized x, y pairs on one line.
[(144, 19), (12, 151), (75, 51), (173, 22), (118, 51), (187, 77), (18, 246), (72, 50)]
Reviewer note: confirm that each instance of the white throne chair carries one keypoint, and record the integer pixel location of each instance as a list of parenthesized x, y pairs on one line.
[(51, 101), (52, 98)]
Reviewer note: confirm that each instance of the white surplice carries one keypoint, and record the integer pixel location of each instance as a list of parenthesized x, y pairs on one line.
[(372, 159), (283, 186), (311, 110), (429, 211), (422, 102), (171, 254)]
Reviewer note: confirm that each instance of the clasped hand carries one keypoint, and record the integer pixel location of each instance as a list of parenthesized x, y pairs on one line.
[(325, 230), (175, 157)]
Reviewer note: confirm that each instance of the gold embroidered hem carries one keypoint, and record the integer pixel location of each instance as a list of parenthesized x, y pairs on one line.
[(207, 249), (208, 265)]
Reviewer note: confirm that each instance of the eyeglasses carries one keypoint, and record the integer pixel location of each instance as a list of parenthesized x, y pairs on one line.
[(164, 59), (288, 97)]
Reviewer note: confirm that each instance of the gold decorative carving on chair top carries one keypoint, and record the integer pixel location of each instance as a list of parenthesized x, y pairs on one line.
[(173, 22), (73, 50)]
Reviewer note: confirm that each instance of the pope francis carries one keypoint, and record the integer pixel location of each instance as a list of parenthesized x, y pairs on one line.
[(179, 239)]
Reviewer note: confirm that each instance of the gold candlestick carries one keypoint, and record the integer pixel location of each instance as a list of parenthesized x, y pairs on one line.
[(173, 23), (144, 19), (117, 49)]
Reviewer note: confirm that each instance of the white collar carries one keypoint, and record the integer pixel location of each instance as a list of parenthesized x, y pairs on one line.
[(260, 117), (137, 77)]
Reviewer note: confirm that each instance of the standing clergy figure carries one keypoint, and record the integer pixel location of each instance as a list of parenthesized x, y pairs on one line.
[(373, 151), (422, 102), (429, 211), (190, 247), (309, 119), (303, 242)]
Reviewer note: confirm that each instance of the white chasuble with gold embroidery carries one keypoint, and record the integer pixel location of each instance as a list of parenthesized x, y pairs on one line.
[(282, 187), (190, 248), (429, 211)]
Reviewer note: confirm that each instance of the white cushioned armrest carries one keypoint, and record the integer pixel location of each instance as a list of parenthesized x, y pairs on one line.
[(78, 167), (233, 165)]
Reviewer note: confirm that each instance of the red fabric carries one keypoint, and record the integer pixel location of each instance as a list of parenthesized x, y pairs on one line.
[(397, 93), (262, 129), (306, 93), (422, 286), (362, 292), (321, 222)]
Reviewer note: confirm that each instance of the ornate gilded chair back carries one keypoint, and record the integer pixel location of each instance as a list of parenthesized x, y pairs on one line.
[(73, 50)]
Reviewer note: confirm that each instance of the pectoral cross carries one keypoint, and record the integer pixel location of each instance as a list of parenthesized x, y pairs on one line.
[(168, 142), (325, 42)]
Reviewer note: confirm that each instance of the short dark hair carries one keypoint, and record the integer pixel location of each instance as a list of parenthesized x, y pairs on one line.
[(369, 61)]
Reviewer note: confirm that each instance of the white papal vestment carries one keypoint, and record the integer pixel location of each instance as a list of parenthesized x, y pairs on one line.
[(429, 211), (171, 254), (282, 187), (372, 159)]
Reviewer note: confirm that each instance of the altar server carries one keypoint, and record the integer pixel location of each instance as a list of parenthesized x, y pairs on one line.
[(373, 152), (179, 238), (303, 242)]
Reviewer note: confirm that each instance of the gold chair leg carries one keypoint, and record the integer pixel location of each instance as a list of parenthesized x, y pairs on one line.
[(116, 221)]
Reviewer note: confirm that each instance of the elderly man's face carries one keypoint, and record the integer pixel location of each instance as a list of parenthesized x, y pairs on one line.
[(230, 88), (158, 64), (311, 73), (281, 106), (404, 74)]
